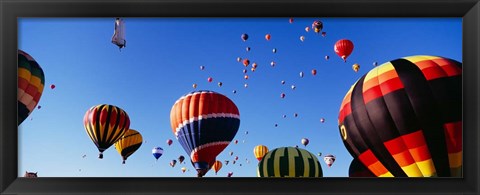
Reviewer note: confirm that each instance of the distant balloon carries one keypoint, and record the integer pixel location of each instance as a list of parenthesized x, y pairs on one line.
[(245, 85), (245, 77), (220, 84), (295, 115), (209, 79), (324, 34), (272, 63), (322, 120), (284, 116), (274, 50), (267, 37), (184, 169), (375, 63), (157, 152), (115, 122), (246, 132), (217, 166), (254, 65), (290, 20), (202, 67), (244, 37), (301, 74), (247, 48), (356, 67), (276, 125), (252, 69), (327, 57), (169, 141), (39, 107), (246, 62), (229, 174), (329, 159), (236, 158), (181, 158), (289, 162), (52, 86), (31, 81), (283, 82), (118, 37), (231, 153), (314, 72), (128, 144), (343, 48), (173, 163), (282, 95), (239, 59), (317, 26), (245, 71), (236, 142), (234, 91), (319, 154), (260, 151), (194, 85), (307, 29), (293, 87), (226, 162), (302, 38), (305, 141)]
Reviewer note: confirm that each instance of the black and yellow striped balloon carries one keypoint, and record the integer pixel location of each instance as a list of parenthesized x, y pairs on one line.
[(289, 162), (105, 124), (128, 144)]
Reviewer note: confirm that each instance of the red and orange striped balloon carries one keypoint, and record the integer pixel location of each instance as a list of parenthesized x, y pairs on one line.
[(31, 81), (404, 118)]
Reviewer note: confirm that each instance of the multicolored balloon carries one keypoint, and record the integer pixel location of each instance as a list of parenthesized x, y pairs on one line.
[(206, 113), (329, 159), (173, 163), (289, 162), (169, 142), (317, 26), (105, 124), (31, 81), (355, 67), (128, 144), (244, 37), (305, 141), (217, 166), (404, 118), (260, 151), (157, 152), (314, 72)]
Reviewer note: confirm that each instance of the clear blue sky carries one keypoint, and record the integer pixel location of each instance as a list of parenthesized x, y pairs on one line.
[(161, 62)]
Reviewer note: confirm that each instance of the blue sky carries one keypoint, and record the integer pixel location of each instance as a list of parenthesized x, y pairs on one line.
[(161, 62)]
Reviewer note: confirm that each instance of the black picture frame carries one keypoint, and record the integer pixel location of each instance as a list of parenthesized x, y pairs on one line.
[(10, 10)]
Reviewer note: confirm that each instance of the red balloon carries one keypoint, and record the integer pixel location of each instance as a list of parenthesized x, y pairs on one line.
[(52, 86), (268, 36), (314, 72), (169, 142), (210, 79), (343, 48)]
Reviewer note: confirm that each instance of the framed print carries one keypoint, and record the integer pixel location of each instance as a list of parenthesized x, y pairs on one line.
[(264, 97)]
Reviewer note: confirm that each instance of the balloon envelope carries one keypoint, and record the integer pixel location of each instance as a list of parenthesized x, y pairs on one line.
[(128, 144), (31, 81), (289, 162)]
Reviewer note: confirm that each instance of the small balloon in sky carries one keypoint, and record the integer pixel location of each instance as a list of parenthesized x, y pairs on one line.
[(307, 29), (282, 95), (272, 63), (327, 57), (375, 63), (247, 49), (52, 86), (302, 38), (245, 71), (39, 107), (244, 37), (293, 87), (283, 82), (229, 174), (246, 62), (290, 20), (295, 115), (314, 72), (202, 67), (194, 85), (210, 79), (301, 74), (284, 116), (239, 59), (322, 120), (253, 69), (254, 65), (324, 34), (234, 91), (274, 50), (220, 84), (356, 67), (268, 37), (276, 125), (246, 85)]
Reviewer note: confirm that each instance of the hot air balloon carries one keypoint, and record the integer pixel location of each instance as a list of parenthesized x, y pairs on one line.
[(357, 169), (39, 107), (260, 151), (252, 69), (290, 20), (118, 37), (52, 86), (244, 37), (293, 87), (128, 144), (283, 82), (307, 29), (239, 59), (282, 95), (169, 142), (329, 159), (194, 85), (229, 174), (327, 57), (217, 126), (301, 74), (272, 63), (246, 132), (246, 77), (322, 120), (30, 174), (295, 115), (284, 116), (267, 37), (246, 62), (226, 162), (276, 125), (236, 142), (314, 72), (375, 63), (324, 34), (217, 166), (209, 79), (319, 154), (234, 91), (220, 84), (356, 67), (274, 50), (184, 169), (202, 67), (234, 162), (254, 65), (173, 163), (245, 85), (31, 81), (343, 48), (157, 152), (404, 118), (302, 38), (305, 141), (231, 153), (247, 49), (181, 158), (105, 124), (289, 162), (236, 158), (317, 26)]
